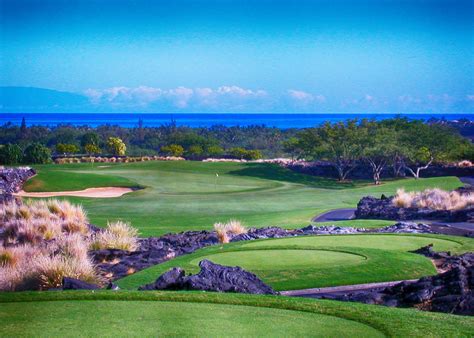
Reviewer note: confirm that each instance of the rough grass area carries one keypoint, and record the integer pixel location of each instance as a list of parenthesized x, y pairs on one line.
[(129, 313), (186, 195), (318, 261)]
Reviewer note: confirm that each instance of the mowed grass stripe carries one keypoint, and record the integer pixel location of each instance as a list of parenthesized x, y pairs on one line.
[(388, 321)]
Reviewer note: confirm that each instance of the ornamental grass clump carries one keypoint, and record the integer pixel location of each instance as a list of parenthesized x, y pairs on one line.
[(221, 233), (226, 230), (41, 242), (435, 199), (117, 235)]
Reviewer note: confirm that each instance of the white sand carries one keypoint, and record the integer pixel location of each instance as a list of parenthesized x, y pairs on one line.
[(105, 192)]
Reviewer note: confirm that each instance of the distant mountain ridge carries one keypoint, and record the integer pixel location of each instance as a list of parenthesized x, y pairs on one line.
[(14, 99)]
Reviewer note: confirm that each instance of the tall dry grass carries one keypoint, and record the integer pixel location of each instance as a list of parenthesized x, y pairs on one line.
[(117, 235), (226, 230), (435, 199), (41, 242)]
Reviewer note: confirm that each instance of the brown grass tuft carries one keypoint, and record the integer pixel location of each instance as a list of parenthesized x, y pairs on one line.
[(435, 199), (117, 235)]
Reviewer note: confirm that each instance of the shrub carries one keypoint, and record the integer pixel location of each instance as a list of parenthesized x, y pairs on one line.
[(172, 150), (67, 148), (37, 153), (10, 154), (117, 235), (214, 151), (92, 149), (436, 199), (195, 151), (253, 155)]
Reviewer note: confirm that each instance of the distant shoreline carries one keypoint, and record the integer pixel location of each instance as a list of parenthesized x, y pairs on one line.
[(277, 120)]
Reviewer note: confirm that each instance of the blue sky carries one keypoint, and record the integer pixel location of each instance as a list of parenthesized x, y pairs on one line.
[(243, 55)]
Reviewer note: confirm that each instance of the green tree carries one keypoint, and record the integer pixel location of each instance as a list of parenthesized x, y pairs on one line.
[(237, 152), (253, 155), (214, 151), (195, 151), (10, 154), (379, 147), (340, 144), (90, 138), (67, 148), (116, 146), (92, 149), (292, 146), (423, 144), (172, 150), (37, 153)]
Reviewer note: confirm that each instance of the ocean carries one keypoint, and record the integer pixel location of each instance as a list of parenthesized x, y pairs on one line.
[(130, 120)]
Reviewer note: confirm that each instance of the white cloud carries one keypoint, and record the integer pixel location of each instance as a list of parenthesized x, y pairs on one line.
[(300, 95), (227, 97)]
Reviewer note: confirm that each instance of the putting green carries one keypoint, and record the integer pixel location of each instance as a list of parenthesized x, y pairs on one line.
[(187, 195), (318, 261), (289, 259), (102, 318), (383, 242)]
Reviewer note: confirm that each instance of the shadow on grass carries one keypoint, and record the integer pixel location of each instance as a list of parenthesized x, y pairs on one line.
[(278, 173)]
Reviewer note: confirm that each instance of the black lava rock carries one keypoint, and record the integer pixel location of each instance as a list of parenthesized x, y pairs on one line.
[(76, 284), (451, 291), (212, 277), (370, 207), (11, 181)]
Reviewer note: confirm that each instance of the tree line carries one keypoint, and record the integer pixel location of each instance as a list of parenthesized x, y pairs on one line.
[(404, 145), (399, 143)]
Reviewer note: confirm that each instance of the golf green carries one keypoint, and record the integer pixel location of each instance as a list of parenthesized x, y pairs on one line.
[(289, 259), (188, 195)]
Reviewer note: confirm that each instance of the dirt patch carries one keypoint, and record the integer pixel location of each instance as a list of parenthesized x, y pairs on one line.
[(105, 192)]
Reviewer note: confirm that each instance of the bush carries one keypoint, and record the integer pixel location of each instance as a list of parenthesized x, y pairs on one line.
[(195, 151), (435, 199), (253, 155), (238, 153), (36, 153), (214, 151), (67, 148), (92, 149), (10, 154), (241, 153), (172, 150)]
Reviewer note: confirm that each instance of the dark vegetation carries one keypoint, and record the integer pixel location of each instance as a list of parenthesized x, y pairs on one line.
[(403, 145)]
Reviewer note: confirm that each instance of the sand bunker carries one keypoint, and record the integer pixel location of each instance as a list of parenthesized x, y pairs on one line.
[(105, 192)]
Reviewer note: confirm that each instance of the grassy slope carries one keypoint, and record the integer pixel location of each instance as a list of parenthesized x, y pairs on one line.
[(197, 314), (327, 260), (187, 195)]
